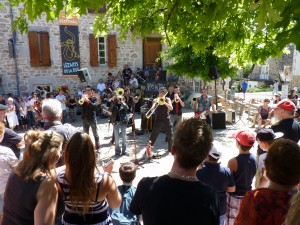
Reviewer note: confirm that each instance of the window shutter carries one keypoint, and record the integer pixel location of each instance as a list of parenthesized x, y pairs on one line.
[(112, 50), (93, 50), (45, 48), (33, 48)]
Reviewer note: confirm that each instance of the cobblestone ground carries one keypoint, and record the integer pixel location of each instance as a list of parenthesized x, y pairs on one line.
[(161, 166)]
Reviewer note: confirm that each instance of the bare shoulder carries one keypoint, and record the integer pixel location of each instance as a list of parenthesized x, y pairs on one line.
[(232, 164), (47, 187)]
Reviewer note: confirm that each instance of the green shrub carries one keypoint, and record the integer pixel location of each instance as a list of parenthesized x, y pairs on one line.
[(260, 89)]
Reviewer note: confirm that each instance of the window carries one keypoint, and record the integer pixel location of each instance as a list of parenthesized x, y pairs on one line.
[(39, 48), (264, 73), (102, 50)]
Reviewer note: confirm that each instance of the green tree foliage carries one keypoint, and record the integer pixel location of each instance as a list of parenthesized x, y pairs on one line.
[(189, 63), (243, 30)]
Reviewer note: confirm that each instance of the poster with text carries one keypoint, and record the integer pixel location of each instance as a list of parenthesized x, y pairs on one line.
[(69, 40)]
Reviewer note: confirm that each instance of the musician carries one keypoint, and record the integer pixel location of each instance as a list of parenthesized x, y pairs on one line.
[(162, 119), (203, 103), (118, 110), (178, 104), (140, 76), (89, 118)]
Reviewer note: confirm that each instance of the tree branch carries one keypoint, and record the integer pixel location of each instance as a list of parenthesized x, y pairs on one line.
[(167, 22)]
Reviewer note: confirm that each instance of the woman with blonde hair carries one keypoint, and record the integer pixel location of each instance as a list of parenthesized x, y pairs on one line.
[(31, 193), (87, 192)]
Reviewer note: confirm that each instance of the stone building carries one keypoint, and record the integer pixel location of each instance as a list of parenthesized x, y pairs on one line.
[(40, 57), (281, 69)]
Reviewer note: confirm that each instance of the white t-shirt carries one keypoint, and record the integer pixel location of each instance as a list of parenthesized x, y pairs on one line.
[(101, 87), (261, 162), (7, 157), (132, 80), (61, 98)]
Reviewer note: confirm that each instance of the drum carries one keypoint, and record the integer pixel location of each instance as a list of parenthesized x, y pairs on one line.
[(146, 124)]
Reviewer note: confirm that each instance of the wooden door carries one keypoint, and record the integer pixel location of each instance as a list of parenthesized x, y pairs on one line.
[(152, 48)]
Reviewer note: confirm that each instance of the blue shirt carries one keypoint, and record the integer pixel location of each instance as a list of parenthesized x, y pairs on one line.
[(219, 178), (244, 85)]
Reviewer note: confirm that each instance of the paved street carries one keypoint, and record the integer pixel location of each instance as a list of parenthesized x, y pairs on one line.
[(157, 167)]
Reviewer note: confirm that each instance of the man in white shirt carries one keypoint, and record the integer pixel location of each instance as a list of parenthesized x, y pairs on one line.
[(62, 98), (133, 83), (101, 87)]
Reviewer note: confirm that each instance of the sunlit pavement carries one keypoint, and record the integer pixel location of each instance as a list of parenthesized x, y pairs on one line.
[(223, 138)]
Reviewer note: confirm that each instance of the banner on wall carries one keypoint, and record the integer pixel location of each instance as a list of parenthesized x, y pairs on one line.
[(152, 87), (69, 41)]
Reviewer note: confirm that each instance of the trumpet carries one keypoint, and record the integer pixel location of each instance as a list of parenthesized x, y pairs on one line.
[(82, 100), (176, 98)]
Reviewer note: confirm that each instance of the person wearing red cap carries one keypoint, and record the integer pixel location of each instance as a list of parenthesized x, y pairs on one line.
[(284, 114), (243, 168), (265, 206)]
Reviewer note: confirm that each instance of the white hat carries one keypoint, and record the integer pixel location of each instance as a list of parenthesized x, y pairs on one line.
[(215, 153)]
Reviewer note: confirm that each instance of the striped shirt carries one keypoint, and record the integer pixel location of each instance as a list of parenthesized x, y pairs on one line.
[(97, 214)]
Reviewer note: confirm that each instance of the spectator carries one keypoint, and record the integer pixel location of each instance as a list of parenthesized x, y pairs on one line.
[(62, 98), (277, 99), (270, 205), (264, 114), (264, 138), (244, 87), (52, 113), (218, 177), (11, 116), (2, 100), (72, 107), (126, 74), (284, 115), (275, 87), (30, 110), (32, 177), (179, 197), (11, 139), (243, 168), (7, 158), (87, 192), (293, 217), (101, 88), (23, 113), (293, 97), (122, 215), (133, 83)]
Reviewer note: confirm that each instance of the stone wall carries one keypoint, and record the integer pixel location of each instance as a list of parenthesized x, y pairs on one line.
[(128, 51)]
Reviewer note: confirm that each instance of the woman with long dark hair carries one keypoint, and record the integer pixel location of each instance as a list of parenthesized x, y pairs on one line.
[(87, 192)]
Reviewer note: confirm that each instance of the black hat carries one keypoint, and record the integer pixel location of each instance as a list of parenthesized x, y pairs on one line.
[(267, 135), (3, 107)]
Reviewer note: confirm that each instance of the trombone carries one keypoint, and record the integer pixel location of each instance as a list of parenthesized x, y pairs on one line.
[(119, 92), (158, 101)]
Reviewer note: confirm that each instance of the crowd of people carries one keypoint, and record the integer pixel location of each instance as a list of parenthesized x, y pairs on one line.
[(58, 180)]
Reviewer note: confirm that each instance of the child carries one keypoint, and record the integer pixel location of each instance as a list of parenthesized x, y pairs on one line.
[(264, 137), (218, 177), (12, 118), (122, 215), (243, 168)]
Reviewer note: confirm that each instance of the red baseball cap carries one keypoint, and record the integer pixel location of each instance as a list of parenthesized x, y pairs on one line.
[(286, 105), (245, 137)]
